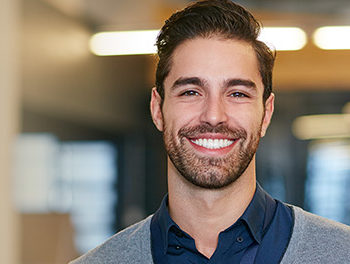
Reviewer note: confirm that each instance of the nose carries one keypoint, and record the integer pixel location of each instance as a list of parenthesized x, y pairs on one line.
[(214, 112)]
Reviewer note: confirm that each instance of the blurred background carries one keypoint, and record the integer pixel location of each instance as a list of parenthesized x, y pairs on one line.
[(80, 158)]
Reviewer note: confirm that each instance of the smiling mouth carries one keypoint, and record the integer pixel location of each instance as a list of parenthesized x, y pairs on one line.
[(212, 143)]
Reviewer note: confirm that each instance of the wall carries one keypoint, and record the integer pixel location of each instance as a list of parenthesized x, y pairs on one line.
[(62, 79), (9, 95)]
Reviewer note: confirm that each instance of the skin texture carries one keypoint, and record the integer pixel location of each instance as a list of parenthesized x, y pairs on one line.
[(213, 90)]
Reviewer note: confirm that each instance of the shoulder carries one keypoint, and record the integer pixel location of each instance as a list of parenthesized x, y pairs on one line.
[(317, 240), (310, 226), (131, 245)]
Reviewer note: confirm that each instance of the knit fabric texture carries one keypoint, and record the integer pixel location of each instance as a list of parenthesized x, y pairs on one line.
[(314, 240)]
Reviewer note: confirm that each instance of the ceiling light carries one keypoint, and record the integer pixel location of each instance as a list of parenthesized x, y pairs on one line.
[(322, 126), (332, 38), (143, 42), (124, 43), (283, 38)]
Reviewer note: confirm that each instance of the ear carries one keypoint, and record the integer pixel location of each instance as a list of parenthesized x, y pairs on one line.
[(269, 107), (156, 109)]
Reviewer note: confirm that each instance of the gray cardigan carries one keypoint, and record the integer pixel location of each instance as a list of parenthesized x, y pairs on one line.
[(314, 240)]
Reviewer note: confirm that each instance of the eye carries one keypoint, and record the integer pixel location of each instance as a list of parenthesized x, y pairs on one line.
[(190, 93), (238, 95)]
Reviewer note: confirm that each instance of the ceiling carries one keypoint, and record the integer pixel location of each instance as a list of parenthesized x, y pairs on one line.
[(338, 7), (140, 14)]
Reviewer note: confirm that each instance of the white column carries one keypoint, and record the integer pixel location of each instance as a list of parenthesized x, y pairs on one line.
[(9, 120)]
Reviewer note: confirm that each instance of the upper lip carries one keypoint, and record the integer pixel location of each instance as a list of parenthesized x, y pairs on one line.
[(211, 136)]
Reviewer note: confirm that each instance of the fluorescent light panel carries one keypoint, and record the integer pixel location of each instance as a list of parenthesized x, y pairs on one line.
[(124, 43), (332, 38), (284, 38), (322, 126), (143, 42)]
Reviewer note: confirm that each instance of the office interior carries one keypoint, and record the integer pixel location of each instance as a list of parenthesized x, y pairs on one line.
[(80, 158)]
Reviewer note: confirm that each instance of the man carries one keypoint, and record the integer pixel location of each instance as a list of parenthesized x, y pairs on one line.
[(213, 102)]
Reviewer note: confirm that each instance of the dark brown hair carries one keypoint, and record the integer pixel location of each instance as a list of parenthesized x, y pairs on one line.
[(208, 18)]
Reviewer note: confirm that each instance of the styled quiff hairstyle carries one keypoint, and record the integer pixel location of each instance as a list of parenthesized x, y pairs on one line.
[(212, 18)]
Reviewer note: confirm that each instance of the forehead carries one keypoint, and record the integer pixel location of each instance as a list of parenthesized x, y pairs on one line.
[(214, 60)]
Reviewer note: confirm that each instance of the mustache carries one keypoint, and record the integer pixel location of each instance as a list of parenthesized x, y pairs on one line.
[(223, 129)]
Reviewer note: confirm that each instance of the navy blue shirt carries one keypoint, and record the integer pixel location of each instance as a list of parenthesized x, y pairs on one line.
[(260, 235)]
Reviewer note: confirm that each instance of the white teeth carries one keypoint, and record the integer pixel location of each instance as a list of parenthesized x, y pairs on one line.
[(212, 143)]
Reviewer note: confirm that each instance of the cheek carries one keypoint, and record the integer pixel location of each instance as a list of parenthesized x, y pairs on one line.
[(177, 117), (249, 118), (171, 121)]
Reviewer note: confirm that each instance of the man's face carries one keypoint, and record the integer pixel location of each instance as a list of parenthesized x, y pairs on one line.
[(213, 114)]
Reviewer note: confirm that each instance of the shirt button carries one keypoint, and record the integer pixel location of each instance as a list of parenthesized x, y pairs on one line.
[(239, 239), (177, 247)]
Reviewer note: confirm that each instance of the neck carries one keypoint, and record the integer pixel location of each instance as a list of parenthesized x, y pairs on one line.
[(204, 213)]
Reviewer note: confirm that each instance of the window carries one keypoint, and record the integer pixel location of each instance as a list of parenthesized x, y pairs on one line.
[(76, 177), (328, 179)]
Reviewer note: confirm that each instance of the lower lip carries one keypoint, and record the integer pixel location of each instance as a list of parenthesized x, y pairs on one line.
[(219, 151)]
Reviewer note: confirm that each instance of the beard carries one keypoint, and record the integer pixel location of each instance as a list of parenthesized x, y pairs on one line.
[(211, 172)]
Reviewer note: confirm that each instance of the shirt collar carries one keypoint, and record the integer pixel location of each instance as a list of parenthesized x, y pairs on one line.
[(165, 221), (254, 216)]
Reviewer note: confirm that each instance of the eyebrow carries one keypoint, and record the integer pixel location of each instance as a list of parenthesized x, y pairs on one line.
[(188, 80), (240, 82), (182, 81)]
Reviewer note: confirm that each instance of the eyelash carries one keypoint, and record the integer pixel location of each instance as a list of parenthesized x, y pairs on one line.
[(195, 93), (189, 93), (238, 94)]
